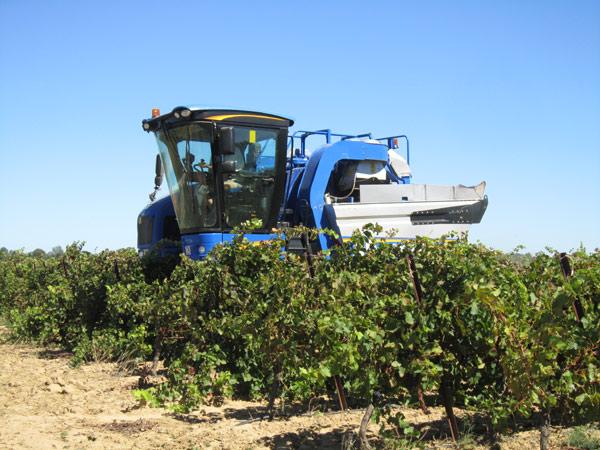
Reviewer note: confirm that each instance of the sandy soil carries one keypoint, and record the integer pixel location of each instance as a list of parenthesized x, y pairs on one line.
[(46, 404)]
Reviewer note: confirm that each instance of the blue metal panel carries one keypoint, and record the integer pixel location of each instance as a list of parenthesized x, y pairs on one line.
[(321, 164), (155, 214), (197, 246)]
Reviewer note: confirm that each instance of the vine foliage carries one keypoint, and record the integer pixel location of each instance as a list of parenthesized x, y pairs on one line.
[(464, 322)]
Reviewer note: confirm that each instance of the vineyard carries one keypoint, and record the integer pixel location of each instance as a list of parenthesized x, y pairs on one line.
[(371, 325)]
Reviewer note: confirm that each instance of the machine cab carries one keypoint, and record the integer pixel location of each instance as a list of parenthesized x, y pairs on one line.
[(223, 168)]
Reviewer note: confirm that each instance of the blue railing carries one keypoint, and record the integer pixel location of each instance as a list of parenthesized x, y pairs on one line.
[(391, 141)]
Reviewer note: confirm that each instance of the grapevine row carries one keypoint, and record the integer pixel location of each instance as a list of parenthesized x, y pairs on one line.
[(387, 322)]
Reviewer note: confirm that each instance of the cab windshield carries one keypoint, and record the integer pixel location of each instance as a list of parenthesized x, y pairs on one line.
[(201, 193), (186, 154)]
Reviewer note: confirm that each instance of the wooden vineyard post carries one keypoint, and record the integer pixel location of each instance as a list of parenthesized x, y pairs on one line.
[(340, 391), (307, 251), (412, 269), (116, 269), (445, 391), (446, 394), (64, 266), (308, 254), (414, 276), (567, 271)]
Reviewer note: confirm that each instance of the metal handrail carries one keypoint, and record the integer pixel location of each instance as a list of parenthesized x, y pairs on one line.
[(303, 134), (390, 140)]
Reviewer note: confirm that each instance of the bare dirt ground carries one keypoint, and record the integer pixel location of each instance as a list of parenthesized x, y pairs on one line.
[(47, 404)]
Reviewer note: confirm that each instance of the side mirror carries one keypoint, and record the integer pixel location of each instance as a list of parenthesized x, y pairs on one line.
[(227, 141), (158, 178), (159, 172)]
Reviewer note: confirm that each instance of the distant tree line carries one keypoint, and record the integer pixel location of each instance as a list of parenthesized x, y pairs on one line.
[(524, 259), (37, 253)]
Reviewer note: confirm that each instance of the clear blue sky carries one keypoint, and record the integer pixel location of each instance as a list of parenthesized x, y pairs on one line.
[(506, 91)]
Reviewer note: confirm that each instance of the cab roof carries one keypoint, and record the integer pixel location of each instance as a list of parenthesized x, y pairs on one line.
[(216, 114)]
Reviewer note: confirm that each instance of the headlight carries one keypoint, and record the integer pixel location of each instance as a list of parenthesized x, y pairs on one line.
[(180, 113)]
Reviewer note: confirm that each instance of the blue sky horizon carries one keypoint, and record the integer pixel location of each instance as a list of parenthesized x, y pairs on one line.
[(503, 92)]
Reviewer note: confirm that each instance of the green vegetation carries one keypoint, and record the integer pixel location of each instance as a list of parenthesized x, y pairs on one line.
[(485, 331), (584, 438)]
